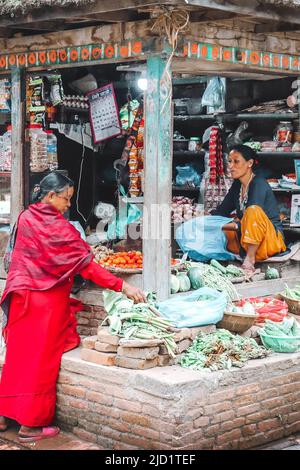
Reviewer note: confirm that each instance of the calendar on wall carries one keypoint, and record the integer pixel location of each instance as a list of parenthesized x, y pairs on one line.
[(104, 113)]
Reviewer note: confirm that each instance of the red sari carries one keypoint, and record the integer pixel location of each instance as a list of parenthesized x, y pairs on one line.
[(39, 316)]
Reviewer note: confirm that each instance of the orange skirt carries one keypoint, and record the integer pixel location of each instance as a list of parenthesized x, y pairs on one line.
[(256, 229)]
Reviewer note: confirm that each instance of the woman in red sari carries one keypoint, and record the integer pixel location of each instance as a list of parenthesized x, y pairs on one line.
[(39, 323)]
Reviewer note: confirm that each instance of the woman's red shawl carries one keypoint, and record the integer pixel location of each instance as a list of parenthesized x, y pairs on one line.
[(48, 250)]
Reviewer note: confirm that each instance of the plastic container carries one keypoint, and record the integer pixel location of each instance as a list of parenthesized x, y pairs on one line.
[(38, 148), (284, 132), (52, 150), (194, 144), (282, 344), (6, 150)]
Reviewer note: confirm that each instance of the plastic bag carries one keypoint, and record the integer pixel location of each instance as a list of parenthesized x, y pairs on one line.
[(268, 308), (214, 95), (203, 239), (187, 176), (78, 227), (117, 228), (188, 311)]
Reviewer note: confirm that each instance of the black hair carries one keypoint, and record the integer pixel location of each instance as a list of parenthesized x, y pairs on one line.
[(247, 152), (54, 181)]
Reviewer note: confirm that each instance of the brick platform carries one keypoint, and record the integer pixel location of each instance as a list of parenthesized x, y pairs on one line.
[(176, 408)]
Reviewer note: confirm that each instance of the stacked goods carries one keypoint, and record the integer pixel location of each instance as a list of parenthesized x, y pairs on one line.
[(183, 209), (75, 101), (136, 159), (113, 350), (221, 350)]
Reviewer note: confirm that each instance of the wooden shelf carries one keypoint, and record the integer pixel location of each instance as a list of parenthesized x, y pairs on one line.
[(188, 154), (185, 188), (234, 116), (285, 190), (276, 155)]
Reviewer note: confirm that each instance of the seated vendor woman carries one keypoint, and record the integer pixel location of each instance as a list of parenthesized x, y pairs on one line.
[(256, 232)]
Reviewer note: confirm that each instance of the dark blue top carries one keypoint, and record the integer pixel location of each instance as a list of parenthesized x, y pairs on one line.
[(259, 194)]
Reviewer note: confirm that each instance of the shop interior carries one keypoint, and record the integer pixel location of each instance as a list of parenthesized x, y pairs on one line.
[(262, 112)]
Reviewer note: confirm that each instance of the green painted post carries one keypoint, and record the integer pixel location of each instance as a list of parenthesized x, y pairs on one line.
[(158, 177), (18, 126)]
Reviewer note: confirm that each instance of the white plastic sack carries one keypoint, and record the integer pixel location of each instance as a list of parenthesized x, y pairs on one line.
[(186, 311)]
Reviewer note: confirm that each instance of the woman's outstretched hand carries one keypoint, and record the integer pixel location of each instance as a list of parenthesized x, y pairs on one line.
[(133, 293)]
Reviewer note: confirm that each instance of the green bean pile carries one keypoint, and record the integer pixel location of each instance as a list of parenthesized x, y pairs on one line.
[(221, 350)]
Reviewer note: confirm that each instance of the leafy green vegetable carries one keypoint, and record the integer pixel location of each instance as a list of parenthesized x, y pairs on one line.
[(221, 350), (140, 321), (271, 273)]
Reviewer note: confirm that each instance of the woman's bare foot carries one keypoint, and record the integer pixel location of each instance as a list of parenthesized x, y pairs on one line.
[(3, 424), (248, 268)]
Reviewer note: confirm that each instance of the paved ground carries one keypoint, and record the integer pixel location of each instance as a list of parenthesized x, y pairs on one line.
[(288, 443), (64, 441)]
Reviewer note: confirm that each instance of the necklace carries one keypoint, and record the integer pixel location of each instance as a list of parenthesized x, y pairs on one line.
[(243, 199)]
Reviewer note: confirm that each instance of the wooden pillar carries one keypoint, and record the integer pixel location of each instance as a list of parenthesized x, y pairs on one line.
[(158, 178), (18, 126)]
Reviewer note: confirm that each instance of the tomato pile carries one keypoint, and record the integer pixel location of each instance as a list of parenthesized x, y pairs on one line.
[(126, 259)]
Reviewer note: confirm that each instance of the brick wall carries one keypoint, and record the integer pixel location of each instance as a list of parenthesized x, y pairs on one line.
[(89, 319), (176, 408)]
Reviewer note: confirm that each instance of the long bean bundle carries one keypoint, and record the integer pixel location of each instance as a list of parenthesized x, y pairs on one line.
[(138, 321)]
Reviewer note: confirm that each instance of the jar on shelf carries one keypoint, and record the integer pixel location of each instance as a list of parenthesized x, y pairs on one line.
[(284, 132), (38, 148), (52, 150), (194, 144)]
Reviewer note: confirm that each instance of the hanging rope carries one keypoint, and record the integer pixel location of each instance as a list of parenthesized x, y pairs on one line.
[(170, 22)]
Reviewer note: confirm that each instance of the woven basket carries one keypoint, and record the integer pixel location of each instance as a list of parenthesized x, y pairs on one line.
[(236, 322), (114, 270), (294, 305)]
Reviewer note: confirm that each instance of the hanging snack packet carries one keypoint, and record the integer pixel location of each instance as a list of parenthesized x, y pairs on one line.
[(36, 86), (57, 91), (128, 113), (5, 98)]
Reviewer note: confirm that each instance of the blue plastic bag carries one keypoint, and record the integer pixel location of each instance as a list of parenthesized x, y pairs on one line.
[(117, 228), (187, 311), (203, 239)]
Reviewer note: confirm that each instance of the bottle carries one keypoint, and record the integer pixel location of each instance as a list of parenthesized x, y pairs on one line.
[(38, 148), (194, 144), (6, 150), (52, 150)]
